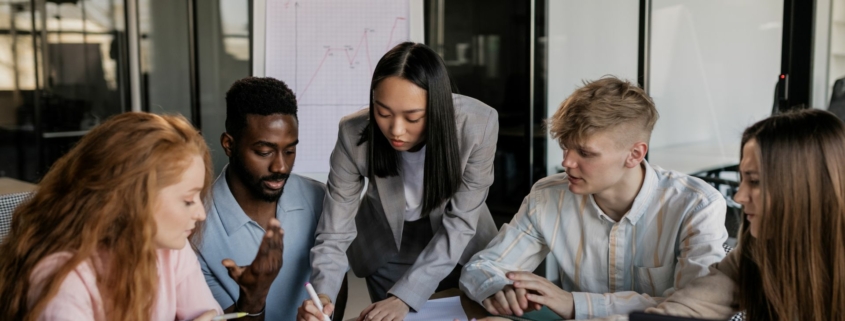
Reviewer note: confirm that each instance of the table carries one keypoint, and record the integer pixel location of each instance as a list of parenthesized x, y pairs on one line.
[(471, 308)]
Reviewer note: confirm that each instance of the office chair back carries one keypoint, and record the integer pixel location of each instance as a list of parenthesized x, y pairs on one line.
[(8, 203), (837, 99)]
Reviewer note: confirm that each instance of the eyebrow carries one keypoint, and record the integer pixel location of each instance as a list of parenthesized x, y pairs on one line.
[(195, 189), (405, 112), (265, 144), (273, 145)]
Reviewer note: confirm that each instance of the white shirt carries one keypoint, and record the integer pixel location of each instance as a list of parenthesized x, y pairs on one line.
[(673, 232), (413, 169)]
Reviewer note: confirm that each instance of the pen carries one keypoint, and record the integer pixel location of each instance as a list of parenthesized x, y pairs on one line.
[(316, 300), (230, 316)]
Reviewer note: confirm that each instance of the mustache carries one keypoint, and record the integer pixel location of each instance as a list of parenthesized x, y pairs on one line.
[(275, 177)]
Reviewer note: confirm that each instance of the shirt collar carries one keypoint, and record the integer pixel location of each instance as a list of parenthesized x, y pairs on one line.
[(232, 215), (644, 196)]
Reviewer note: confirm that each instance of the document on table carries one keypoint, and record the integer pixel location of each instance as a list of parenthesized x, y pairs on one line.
[(445, 309)]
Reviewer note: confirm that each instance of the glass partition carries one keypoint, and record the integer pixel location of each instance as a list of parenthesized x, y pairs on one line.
[(713, 70)]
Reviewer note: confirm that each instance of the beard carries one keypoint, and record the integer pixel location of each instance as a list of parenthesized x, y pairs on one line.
[(256, 184)]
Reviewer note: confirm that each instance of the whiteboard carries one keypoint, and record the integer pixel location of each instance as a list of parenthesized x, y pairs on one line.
[(325, 51)]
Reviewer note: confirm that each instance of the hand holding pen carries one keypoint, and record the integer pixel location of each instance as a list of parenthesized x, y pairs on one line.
[(318, 308)]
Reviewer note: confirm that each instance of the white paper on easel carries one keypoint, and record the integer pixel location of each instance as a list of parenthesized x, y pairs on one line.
[(446, 309), (326, 51)]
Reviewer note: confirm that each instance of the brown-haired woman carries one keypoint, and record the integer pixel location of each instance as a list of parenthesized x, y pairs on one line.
[(790, 264), (105, 235)]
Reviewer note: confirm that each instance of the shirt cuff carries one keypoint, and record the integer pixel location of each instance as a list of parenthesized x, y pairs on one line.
[(589, 305), (487, 288), (412, 298)]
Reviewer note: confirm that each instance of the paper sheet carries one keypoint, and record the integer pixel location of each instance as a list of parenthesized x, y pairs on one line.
[(446, 309)]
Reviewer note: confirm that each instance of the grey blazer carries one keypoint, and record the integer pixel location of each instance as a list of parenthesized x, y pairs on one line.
[(361, 232)]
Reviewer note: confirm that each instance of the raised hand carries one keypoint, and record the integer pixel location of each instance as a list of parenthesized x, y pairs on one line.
[(255, 279)]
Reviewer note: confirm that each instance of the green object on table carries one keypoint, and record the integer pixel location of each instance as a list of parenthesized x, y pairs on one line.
[(543, 314)]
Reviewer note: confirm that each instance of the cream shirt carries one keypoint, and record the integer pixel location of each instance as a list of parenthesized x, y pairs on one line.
[(673, 232)]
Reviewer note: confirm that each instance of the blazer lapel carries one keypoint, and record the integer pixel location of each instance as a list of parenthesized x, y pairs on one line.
[(391, 190)]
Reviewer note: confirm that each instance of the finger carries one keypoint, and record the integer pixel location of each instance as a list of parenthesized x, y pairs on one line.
[(520, 297), (364, 313), (375, 315), (488, 305), (207, 316), (328, 308), (274, 223), (522, 275), (235, 271), (532, 285), (499, 308), (512, 303), (303, 315), (311, 309), (538, 299), (503, 303), (277, 235)]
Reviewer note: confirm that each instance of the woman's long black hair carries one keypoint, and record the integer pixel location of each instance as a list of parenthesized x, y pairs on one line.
[(423, 67)]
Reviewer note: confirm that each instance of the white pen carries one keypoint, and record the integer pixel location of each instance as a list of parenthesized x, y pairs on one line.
[(316, 300), (230, 316)]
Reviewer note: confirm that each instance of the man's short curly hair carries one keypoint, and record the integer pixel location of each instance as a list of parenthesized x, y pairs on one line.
[(603, 104), (257, 95)]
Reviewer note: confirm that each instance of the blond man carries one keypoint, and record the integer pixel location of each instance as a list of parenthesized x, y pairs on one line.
[(625, 234)]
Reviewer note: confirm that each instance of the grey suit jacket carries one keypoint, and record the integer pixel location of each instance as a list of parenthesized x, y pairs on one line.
[(362, 232)]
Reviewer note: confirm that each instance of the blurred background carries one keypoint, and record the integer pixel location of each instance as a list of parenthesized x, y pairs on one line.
[(712, 66)]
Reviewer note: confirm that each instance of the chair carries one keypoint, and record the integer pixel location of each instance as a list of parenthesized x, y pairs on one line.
[(837, 99), (8, 203), (728, 188)]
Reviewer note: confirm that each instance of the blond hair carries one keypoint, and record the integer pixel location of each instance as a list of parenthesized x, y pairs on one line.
[(603, 104), (101, 196)]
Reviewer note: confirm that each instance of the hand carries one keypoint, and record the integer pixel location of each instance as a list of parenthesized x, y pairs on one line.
[(545, 293), (509, 301), (390, 309), (255, 279), (207, 316), (309, 312)]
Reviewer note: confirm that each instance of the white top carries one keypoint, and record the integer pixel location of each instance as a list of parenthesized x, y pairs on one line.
[(673, 232), (413, 169)]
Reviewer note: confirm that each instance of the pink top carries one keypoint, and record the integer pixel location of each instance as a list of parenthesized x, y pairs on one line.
[(182, 291)]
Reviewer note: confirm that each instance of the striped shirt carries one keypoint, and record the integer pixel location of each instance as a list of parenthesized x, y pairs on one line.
[(673, 232)]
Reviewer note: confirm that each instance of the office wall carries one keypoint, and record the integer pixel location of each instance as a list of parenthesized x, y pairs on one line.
[(586, 40), (714, 66)]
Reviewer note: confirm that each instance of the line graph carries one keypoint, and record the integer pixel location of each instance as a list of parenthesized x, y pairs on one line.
[(326, 50), (357, 48)]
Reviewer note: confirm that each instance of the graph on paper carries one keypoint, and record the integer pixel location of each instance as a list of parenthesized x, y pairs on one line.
[(325, 51)]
